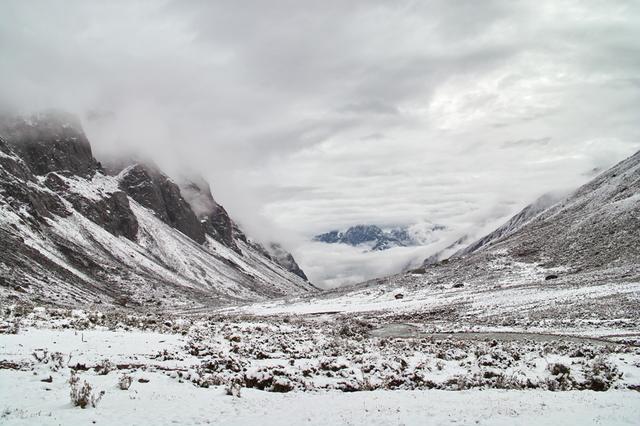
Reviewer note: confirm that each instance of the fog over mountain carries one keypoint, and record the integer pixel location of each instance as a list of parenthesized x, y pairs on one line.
[(311, 116), (285, 212)]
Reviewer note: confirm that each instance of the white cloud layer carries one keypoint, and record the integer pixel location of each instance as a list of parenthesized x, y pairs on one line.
[(308, 116)]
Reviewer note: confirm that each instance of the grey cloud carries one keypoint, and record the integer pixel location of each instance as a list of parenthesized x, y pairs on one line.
[(370, 107), (306, 116), (527, 142)]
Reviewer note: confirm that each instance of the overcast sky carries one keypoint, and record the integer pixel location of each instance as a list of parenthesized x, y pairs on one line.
[(312, 115)]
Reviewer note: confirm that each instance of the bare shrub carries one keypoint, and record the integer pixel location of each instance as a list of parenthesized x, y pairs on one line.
[(233, 388), (559, 369), (561, 380), (601, 375), (124, 382), (281, 385), (82, 395), (55, 360), (40, 355), (105, 367), (353, 328), (10, 327), (368, 384)]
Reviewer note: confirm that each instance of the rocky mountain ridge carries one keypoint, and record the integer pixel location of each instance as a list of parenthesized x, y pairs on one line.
[(374, 237), (73, 233), (514, 223), (594, 231)]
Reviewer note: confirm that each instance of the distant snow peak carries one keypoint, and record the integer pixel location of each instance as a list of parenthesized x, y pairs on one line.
[(376, 238)]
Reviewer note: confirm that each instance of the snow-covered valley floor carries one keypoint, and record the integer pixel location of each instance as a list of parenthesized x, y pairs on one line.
[(218, 369), (164, 401)]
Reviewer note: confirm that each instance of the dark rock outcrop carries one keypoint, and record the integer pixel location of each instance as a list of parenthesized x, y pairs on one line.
[(286, 260), (215, 220), (16, 190), (219, 225), (361, 234), (112, 213), (331, 237), (12, 165), (157, 192), (50, 142)]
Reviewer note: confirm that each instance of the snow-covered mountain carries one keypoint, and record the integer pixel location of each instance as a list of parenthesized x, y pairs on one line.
[(513, 224), (73, 234), (555, 261), (597, 226), (373, 237)]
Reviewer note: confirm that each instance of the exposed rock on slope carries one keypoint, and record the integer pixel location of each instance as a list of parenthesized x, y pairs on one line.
[(113, 212), (217, 223), (21, 191), (286, 260), (214, 218), (72, 234), (156, 191), (51, 141)]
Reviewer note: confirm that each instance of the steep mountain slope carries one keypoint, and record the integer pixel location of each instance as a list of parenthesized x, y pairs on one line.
[(594, 230), (513, 224), (73, 234), (596, 227), (284, 258)]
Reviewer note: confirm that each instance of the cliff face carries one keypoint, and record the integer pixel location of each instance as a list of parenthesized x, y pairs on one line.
[(20, 189), (157, 192), (49, 142), (215, 220), (72, 233), (286, 259)]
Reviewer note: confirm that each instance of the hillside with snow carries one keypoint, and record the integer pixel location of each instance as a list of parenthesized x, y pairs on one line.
[(130, 298), (350, 213), (573, 261), (73, 234)]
